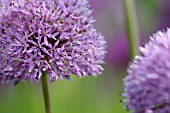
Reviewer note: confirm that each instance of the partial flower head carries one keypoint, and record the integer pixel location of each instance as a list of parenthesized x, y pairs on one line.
[(147, 86), (55, 36)]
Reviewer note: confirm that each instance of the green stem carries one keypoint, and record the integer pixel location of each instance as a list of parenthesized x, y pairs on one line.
[(45, 92), (132, 27)]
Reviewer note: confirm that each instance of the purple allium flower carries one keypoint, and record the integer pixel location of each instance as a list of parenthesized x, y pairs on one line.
[(147, 86), (56, 36)]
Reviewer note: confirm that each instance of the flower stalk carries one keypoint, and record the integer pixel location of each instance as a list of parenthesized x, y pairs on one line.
[(45, 92), (132, 27)]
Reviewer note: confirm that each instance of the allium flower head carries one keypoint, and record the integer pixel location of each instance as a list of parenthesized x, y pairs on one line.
[(56, 36), (147, 86)]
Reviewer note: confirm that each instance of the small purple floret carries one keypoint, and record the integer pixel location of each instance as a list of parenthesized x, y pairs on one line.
[(56, 36)]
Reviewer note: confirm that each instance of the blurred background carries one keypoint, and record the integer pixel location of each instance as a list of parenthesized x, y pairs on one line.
[(93, 94)]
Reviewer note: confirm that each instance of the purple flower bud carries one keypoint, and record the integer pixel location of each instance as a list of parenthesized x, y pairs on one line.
[(56, 36), (147, 86)]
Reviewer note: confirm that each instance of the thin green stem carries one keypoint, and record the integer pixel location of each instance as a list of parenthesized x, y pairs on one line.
[(45, 92), (132, 27)]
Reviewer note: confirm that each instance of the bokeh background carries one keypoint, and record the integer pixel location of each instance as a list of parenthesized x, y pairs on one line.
[(93, 94)]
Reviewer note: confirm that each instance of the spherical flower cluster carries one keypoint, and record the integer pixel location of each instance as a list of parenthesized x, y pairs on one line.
[(147, 86), (56, 36)]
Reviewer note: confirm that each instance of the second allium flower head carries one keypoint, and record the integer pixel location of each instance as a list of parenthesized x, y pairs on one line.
[(147, 85), (56, 36)]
